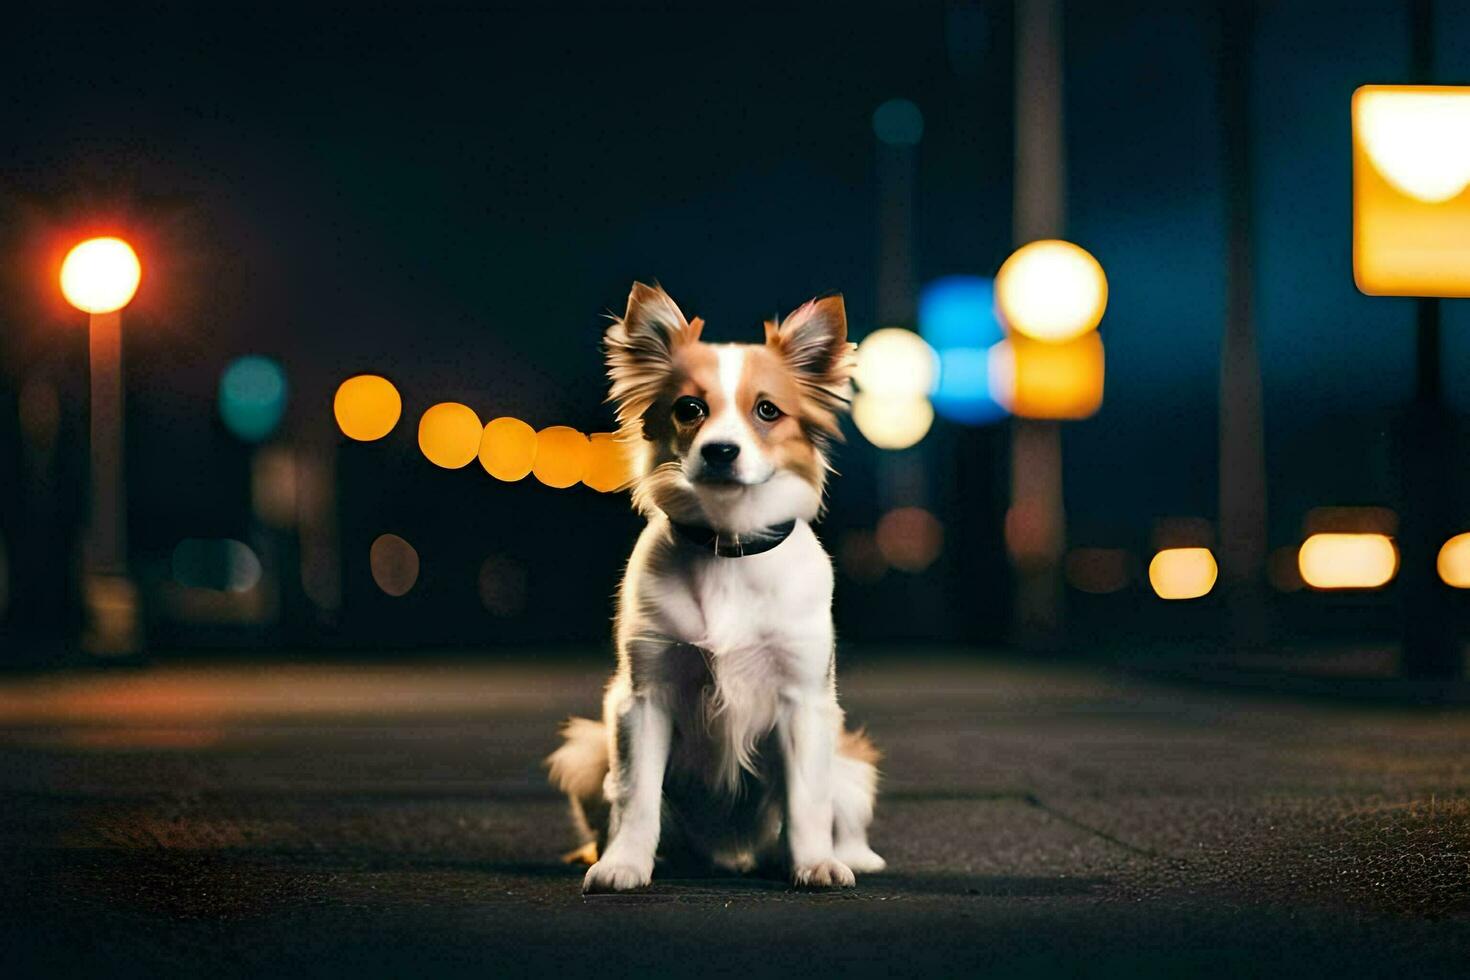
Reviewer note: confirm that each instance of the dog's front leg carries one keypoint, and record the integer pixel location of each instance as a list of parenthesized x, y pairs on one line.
[(643, 733), (807, 726)]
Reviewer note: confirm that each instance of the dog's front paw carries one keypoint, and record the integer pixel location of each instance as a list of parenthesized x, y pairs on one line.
[(830, 873), (861, 858), (616, 876)]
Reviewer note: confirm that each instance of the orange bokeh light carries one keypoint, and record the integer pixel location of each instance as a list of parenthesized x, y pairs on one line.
[(561, 456), (508, 449), (609, 463), (449, 435), (367, 407), (1048, 381)]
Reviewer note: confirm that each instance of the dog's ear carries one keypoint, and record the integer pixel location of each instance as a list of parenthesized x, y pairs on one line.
[(813, 342), (641, 346)]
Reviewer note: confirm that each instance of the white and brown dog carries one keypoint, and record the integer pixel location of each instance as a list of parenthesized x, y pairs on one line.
[(721, 736)]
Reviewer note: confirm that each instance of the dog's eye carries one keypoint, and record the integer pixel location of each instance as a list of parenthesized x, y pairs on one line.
[(688, 410), (767, 411)]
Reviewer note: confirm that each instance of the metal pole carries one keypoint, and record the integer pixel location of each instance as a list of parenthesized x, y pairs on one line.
[(111, 601), (108, 544), (1242, 476), (1431, 648), (1039, 212), (896, 178)]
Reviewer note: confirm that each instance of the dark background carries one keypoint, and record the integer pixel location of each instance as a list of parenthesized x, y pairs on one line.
[(454, 197)]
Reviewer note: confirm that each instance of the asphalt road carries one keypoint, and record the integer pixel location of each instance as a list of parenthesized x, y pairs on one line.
[(261, 819)]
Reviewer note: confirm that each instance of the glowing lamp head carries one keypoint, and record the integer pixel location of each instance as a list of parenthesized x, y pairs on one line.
[(1337, 560), (1418, 138), (1052, 291), (1411, 170), (1453, 563), (1182, 573), (100, 275)]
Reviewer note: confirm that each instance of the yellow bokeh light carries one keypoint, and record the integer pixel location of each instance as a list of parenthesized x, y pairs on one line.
[(892, 421), (1182, 573), (1454, 562), (1411, 167), (1048, 381), (896, 363), (609, 463), (508, 449), (367, 407), (1348, 561), (100, 275), (561, 456), (449, 435), (1051, 291)]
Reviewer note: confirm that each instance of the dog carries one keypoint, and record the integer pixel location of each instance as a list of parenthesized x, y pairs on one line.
[(721, 737)]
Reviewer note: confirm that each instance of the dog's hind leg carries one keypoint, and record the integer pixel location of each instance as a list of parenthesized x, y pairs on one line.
[(578, 769), (854, 790)]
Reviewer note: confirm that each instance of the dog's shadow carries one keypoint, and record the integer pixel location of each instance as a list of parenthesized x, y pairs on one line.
[(674, 880)]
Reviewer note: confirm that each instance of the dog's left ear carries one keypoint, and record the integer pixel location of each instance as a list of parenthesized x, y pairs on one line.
[(813, 342)]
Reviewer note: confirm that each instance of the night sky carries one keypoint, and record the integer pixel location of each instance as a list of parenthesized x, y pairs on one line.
[(455, 197)]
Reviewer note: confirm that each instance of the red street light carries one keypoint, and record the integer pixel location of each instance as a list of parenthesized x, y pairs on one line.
[(100, 277)]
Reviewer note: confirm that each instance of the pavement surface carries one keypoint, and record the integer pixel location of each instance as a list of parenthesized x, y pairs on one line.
[(387, 820)]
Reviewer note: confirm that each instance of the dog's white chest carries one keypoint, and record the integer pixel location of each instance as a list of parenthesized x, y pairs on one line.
[(776, 605), (764, 620)]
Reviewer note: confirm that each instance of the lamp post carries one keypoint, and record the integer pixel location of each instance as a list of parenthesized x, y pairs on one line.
[(1411, 238), (1039, 213), (1051, 295), (1241, 485), (100, 277)]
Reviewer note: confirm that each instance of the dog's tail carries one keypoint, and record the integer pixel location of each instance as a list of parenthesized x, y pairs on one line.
[(578, 768)]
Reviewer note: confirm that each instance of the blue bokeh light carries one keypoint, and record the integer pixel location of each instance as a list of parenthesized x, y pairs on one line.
[(957, 317), (898, 122), (963, 394), (252, 397), (959, 311)]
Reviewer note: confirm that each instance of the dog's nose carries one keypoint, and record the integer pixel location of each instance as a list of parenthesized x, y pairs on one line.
[(719, 453)]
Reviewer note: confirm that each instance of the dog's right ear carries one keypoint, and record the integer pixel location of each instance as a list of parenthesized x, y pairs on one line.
[(640, 349)]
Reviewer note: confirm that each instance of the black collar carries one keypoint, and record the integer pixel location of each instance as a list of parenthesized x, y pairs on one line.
[(727, 544)]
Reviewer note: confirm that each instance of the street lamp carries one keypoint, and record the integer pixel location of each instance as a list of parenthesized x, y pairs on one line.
[(1411, 170), (100, 277), (1051, 295)]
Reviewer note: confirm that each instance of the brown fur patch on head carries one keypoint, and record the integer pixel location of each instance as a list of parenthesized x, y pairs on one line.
[(693, 370), (788, 440), (641, 346), (813, 343)]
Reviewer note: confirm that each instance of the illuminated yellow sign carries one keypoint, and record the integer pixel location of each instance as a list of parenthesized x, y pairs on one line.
[(1411, 168)]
